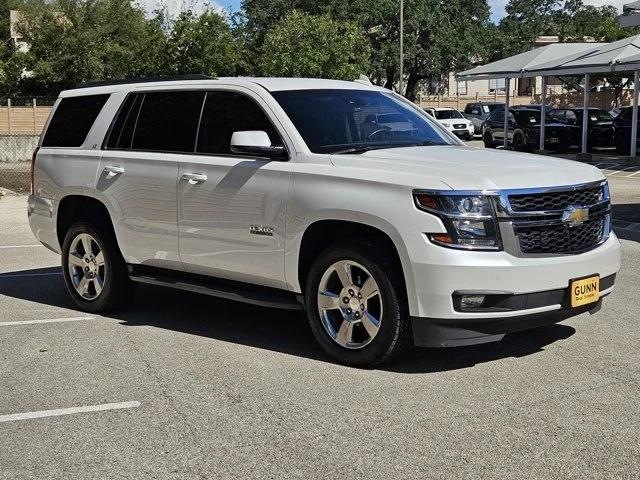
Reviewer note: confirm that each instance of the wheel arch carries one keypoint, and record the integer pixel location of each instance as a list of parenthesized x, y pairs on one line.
[(321, 233), (75, 208)]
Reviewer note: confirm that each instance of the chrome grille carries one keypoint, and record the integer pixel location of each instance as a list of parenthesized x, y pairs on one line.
[(561, 238), (538, 202)]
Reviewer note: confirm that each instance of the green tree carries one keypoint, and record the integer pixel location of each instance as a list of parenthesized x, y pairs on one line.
[(303, 45), (73, 41), (577, 22), (524, 21), (202, 44), (439, 36)]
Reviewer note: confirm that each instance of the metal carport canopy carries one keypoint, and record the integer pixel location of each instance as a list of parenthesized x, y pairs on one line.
[(620, 56), (517, 66)]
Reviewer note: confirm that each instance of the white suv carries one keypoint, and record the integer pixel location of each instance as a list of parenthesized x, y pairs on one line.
[(291, 193), (455, 122)]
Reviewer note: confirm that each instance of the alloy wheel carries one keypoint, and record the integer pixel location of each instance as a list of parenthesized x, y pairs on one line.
[(350, 304), (86, 266)]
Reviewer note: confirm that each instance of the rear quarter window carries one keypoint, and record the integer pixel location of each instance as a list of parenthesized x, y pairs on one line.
[(72, 120)]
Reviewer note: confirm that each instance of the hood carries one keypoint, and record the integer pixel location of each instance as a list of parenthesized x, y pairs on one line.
[(456, 121), (468, 168)]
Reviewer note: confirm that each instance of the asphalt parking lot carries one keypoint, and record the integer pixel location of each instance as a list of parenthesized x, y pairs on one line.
[(184, 386)]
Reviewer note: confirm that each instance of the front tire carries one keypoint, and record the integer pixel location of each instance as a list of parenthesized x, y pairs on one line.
[(356, 305), (488, 140), (94, 271)]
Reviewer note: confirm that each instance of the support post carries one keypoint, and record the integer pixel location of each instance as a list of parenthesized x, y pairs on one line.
[(9, 114), (585, 116), (543, 117), (507, 85), (400, 85), (634, 116), (35, 119)]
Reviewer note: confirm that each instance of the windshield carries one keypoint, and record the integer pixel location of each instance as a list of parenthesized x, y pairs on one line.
[(597, 116), (345, 121), (529, 117), (492, 107), (447, 114)]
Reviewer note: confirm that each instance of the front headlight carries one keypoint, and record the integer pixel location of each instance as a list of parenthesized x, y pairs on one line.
[(469, 219)]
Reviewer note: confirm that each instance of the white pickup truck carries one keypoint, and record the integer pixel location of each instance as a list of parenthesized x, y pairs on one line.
[(292, 193)]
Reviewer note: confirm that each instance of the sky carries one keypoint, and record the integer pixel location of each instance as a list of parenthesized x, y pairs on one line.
[(174, 6)]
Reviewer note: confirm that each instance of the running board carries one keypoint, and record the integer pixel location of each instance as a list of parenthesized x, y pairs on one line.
[(229, 290)]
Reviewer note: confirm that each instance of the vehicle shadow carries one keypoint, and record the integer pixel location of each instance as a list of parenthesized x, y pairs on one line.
[(626, 218), (281, 331)]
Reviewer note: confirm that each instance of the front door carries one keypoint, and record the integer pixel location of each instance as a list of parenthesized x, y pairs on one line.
[(232, 208)]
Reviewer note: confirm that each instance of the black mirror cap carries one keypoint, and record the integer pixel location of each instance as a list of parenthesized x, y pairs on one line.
[(275, 152)]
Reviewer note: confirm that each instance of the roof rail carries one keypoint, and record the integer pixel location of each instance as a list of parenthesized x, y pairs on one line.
[(125, 81)]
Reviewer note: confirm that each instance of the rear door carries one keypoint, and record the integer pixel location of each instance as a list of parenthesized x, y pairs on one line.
[(496, 123), (138, 174), (232, 208)]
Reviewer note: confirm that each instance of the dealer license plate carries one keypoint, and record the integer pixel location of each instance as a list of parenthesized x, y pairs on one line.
[(585, 290)]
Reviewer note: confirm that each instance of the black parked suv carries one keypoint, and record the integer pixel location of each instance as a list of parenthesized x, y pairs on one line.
[(478, 112), (524, 131), (622, 125), (601, 131)]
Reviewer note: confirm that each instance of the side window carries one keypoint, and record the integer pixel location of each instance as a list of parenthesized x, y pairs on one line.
[(72, 120), (228, 112), (168, 121), (498, 116), (571, 116), (121, 131), (468, 108)]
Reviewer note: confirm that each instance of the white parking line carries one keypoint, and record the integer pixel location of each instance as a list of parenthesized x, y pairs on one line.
[(3, 247), (48, 320), (67, 411), (622, 170), (632, 174)]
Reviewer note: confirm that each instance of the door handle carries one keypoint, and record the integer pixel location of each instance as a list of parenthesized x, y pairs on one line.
[(194, 178), (112, 171)]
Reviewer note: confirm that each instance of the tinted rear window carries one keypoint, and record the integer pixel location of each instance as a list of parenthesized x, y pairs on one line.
[(72, 120), (168, 121), (121, 131)]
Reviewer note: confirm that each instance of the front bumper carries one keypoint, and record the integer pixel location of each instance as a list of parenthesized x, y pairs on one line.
[(442, 272), (433, 332)]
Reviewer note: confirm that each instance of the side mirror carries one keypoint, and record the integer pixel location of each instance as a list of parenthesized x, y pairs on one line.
[(255, 142)]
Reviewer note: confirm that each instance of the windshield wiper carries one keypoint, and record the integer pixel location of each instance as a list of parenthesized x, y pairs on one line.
[(360, 149), (368, 148)]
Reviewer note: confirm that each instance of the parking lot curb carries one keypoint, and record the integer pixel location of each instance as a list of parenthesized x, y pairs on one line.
[(6, 191)]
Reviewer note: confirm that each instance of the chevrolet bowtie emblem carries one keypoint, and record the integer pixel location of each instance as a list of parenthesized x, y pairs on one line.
[(575, 216)]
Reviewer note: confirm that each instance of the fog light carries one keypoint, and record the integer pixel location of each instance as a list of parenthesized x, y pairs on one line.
[(471, 302)]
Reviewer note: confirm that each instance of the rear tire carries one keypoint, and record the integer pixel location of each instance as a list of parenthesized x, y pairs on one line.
[(623, 146), (343, 317), (94, 271), (487, 139), (518, 143)]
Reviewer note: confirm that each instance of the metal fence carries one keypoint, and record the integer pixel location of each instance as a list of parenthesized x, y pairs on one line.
[(15, 161)]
